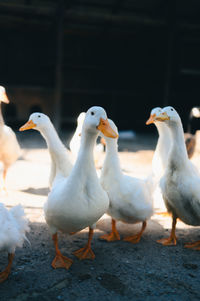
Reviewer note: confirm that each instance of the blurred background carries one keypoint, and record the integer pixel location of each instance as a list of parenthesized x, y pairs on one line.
[(61, 57)]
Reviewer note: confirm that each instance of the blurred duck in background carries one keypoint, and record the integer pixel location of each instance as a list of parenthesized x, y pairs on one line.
[(190, 139), (9, 146)]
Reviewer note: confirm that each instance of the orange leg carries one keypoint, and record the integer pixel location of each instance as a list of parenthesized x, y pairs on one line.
[(114, 235), (4, 275), (170, 241), (60, 261), (193, 245), (134, 239), (86, 252)]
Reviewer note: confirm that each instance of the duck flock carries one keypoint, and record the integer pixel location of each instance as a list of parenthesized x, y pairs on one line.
[(78, 198)]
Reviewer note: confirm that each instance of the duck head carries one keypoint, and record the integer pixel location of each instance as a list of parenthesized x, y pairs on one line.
[(168, 115), (37, 121), (3, 95), (154, 113), (96, 120)]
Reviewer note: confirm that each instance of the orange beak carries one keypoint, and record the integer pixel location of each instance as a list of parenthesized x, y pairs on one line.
[(27, 126), (105, 128), (4, 98), (151, 119)]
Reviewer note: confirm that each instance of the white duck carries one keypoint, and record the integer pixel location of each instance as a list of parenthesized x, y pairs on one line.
[(60, 161), (160, 156), (78, 201), (180, 183), (130, 198), (13, 226), (76, 141), (10, 149)]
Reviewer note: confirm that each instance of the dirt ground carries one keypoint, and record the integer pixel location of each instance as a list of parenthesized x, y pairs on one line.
[(121, 270)]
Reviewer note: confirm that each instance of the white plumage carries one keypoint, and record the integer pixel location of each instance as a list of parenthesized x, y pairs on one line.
[(14, 226), (130, 198), (76, 141), (180, 183), (76, 201), (61, 164)]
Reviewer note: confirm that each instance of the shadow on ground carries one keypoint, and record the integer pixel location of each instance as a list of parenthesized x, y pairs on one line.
[(38, 191)]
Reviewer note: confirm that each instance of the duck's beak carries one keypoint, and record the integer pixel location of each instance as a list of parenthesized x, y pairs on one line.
[(4, 98), (151, 119), (105, 128), (27, 126), (162, 117)]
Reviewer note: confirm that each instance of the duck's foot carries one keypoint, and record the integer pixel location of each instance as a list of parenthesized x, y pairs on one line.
[(61, 261), (84, 253), (193, 245), (4, 275), (134, 239), (167, 241), (114, 235), (172, 240)]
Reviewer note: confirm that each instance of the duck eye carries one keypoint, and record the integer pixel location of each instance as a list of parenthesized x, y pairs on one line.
[(39, 116), (92, 113), (172, 109)]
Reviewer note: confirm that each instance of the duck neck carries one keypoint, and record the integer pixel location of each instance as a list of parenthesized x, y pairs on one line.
[(178, 151), (111, 162), (163, 144), (85, 155), (52, 139)]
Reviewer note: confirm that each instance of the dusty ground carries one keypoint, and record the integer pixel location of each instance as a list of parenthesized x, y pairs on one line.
[(120, 271)]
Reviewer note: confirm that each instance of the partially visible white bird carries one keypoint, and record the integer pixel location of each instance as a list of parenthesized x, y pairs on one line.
[(9, 147), (14, 225), (130, 198)]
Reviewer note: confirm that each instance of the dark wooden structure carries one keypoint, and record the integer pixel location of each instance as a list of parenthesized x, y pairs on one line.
[(128, 56)]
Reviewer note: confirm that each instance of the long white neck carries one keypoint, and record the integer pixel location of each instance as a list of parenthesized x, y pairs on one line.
[(52, 139), (111, 163), (60, 162), (85, 160), (178, 153), (163, 145)]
